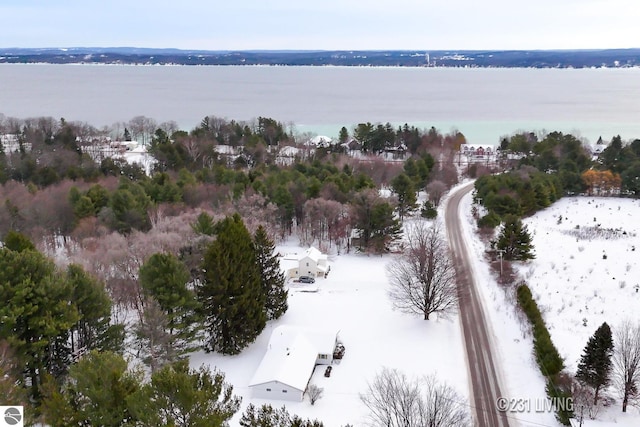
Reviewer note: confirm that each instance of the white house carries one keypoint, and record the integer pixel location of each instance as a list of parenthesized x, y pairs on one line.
[(312, 263), (289, 362)]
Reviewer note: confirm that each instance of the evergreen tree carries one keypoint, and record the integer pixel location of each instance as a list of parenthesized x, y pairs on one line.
[(180, 396), (373, 218), (37, 312), (272, 278), (204, 225), (231, 293), (18, 242), (344, 135), (268, 416), (99, 392), (428, 210), (402, 186), (165, 278), (594, 367), (385, 227), (515, 240), (93, 329)]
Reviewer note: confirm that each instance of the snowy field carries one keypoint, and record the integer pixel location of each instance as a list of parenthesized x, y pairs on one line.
[(586, 272), (353, 300)]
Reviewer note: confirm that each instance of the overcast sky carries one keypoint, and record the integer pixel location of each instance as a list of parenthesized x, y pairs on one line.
[(326, 24)]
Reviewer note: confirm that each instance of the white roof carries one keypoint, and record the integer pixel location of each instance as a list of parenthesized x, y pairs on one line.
[(320, 140), (289, 151), (287, 264), (314, 254), (290, 359), (323, 341)]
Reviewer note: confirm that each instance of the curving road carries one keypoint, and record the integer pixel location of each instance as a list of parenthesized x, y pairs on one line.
[(485, 387)]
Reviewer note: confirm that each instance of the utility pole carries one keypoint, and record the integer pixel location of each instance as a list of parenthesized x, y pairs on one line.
[(500, 254)]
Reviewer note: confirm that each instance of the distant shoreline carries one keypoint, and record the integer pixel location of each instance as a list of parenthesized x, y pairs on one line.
[(602, 58)]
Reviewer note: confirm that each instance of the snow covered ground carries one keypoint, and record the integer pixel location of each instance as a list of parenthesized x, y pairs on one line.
[(353, 299), (585, 273), (512, 342), (570, 280)]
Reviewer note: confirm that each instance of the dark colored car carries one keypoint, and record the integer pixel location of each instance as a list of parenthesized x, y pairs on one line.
[(307, 279)]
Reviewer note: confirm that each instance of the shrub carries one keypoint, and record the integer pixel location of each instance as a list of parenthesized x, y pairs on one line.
[(491, 220), (547, 356)]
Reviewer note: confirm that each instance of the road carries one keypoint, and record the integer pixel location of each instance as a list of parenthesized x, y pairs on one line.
[(485, 387)]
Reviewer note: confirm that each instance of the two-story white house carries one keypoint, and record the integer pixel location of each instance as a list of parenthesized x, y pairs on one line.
[(312, 263)]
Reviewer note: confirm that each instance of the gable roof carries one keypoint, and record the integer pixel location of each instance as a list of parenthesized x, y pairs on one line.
[(290, 359), (314, 254)]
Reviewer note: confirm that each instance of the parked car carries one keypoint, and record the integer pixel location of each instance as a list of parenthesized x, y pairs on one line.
[(327, 372), (306, 279)]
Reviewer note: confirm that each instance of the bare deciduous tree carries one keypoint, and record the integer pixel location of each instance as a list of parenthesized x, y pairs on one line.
[(155, 343), (584, 401), (423, 278), (436, 190), (315, 393), (142, 128), (626, 362), (395, 401)]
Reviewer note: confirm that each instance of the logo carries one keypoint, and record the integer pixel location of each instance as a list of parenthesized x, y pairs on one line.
[(12, 416)]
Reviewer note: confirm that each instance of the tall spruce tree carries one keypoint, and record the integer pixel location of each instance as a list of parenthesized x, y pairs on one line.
[(272, 278), (515, 240), (231, 293), (594, 368)]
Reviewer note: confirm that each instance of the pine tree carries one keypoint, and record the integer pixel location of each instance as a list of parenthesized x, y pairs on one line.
[(93, 329), (231, 293), (37, 312), (181, 396), (402, 186), (267, 415), (164, 278), (100, 392), (272, 278), (594, 367), (515, 240)]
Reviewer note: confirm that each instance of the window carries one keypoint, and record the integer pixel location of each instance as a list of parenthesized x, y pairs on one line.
[(323, 356), (284, 391), (268, 389), (307, 264)]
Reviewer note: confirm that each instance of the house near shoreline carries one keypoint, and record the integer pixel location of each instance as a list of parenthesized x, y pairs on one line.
[(290, 360)]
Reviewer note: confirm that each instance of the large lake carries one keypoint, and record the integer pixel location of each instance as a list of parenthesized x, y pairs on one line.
[(482, 103)]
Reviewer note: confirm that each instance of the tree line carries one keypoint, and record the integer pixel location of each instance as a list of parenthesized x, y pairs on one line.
[(541, 172), (314, 196)]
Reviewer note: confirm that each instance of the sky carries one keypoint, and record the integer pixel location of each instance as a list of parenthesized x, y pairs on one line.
[(322, 25)]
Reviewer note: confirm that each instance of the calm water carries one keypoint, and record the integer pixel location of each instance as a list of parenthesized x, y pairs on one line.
[(483, 103)]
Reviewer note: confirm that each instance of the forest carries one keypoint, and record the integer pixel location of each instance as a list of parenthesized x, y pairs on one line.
[(103, 260)]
